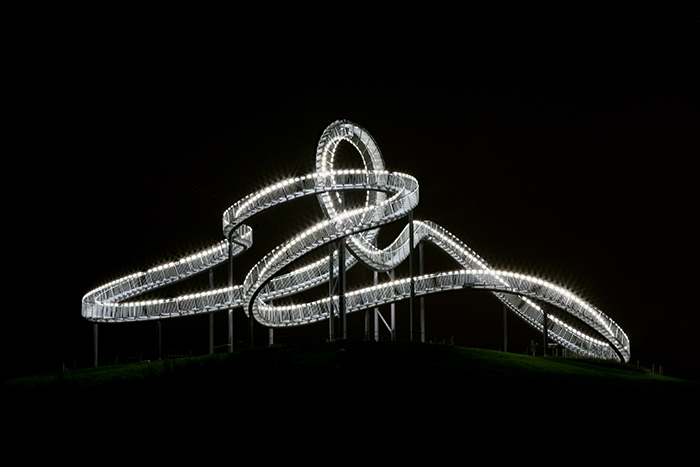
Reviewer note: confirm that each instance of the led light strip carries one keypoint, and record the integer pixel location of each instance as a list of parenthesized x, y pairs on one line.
[(390, 196)]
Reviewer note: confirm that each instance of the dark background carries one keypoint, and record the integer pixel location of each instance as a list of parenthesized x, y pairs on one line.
[(572, 160)]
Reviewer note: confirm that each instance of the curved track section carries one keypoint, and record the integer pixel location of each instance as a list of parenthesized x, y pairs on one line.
[(577, 325)]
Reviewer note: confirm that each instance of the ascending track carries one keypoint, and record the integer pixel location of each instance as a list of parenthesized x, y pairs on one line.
[(578, 325)]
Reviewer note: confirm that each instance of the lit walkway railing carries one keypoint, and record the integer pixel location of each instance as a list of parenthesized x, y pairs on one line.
[(390, 196)]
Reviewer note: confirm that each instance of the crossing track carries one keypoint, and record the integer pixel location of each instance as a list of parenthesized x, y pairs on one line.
[(578, 326)]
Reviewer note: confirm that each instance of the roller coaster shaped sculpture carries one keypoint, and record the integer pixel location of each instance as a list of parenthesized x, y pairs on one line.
[(580, 327)]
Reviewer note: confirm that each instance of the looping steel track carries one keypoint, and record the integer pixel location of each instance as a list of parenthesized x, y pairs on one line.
[(581, 327)]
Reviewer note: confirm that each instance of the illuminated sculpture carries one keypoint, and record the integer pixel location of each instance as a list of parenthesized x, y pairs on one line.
[(390, 196)]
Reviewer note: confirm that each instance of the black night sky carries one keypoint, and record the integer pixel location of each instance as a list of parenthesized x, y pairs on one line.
[(571, 160)]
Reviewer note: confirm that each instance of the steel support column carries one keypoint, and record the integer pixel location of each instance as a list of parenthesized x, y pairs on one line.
[(270, 333), (376, 311), (341, 279), (505, 328), (422, 298), (410, 272), (392, 276), (367, 324), (336, 284), (331, 283), (230, 284), (94, 340), (544, 330), (251, 329), (343, 332), (211, 315)]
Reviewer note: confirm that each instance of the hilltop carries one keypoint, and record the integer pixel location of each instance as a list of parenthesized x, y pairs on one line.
[(355, 378)]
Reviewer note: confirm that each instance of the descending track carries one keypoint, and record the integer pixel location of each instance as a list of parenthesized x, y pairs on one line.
[(578, 325)]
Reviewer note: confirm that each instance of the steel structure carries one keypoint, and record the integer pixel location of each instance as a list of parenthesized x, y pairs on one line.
[(579, 326)]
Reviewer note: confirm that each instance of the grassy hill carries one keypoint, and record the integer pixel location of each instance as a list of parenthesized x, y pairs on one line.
[(359, 369), (415, 398), (400, 385)]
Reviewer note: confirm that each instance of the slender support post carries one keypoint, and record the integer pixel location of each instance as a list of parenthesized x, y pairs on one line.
[(160, 339), (230, 284), (544, 331), (94, 340), (211, 316), (393, 311), (211, 333), (341, 290), (230, 331), (251, 323), (505, 328), (367, 324), (341, 279), (410, 271), (331, 318), (422, 298), (270, 334), (376, 311)]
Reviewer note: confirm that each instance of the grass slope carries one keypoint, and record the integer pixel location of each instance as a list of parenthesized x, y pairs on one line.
[(358, 368), (422, 394)]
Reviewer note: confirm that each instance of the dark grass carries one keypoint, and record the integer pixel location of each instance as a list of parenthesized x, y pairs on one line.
[(354, 363), (353, 380)]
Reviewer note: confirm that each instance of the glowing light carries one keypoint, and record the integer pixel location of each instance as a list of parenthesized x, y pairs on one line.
[(390, 196)]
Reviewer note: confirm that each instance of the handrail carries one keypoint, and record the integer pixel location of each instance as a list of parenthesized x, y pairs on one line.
[(390, 196)]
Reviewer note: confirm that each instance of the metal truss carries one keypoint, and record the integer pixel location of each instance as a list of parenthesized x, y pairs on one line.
[(577, 325)]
